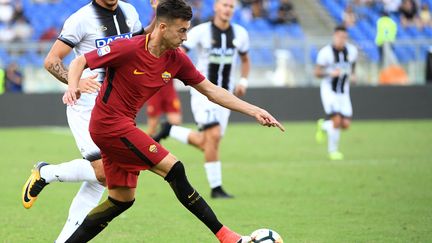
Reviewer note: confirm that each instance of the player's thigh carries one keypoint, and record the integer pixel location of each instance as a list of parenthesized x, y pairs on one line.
[(78, 119), (124, 156), (99, 170)]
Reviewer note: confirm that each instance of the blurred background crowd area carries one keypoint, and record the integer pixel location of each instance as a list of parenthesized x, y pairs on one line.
[(285, 35)]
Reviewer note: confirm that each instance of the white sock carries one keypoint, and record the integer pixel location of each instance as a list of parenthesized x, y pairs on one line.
[(214, 173), (86, 199), (180, 133), (72, 171), (327, 124), (333, 135)]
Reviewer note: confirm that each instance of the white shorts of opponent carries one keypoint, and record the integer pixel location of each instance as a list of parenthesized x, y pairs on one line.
[(79, 118), (336, 103), (208, 114)]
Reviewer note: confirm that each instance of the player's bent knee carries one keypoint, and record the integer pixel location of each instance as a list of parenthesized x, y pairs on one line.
[(177, 171), (99, 170), (346, 125), (213, 136)]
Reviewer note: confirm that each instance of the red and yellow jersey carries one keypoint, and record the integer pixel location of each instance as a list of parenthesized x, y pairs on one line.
[(133, 75)]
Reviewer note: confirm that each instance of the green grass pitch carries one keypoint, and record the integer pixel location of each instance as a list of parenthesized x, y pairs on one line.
[(381, 192)]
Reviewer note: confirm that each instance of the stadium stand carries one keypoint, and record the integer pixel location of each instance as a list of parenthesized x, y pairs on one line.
[(46, 15), (363, 31), (269, 34)]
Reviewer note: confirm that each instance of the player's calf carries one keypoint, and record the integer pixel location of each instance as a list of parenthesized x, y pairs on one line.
[(98, 219), (163, 133), (190, 198)]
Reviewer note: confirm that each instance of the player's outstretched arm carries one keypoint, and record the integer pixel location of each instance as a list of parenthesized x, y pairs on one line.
[(224, 98), (76, 69)]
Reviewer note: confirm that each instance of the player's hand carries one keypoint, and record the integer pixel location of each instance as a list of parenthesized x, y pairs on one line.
[(154, 4), (240, 90), (89, 84), (71, 95), (335, 73), (265, 119)]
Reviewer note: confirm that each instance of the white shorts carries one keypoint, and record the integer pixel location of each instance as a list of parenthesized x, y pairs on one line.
[(79, 118), (207, 113), (336, 103)]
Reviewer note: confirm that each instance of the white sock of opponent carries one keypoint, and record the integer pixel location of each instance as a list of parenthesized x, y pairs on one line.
[(214, 173), (72, 171), (85, 200), (180, 133), (333, 135), (327, 124)]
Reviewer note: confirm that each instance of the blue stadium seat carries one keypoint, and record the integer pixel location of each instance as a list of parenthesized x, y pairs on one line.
[(296, 31), (401, 54), (4, 57), (356, 34), (36, 13), (428, 32), (313, 54), (260, 24)]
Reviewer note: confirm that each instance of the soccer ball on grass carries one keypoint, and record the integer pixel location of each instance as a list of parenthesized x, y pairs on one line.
[(266, 236)]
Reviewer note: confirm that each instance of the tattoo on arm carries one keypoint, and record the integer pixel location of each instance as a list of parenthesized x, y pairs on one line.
[(59, 71)]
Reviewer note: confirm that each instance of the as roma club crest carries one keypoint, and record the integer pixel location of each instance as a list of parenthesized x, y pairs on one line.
[(166, 76)]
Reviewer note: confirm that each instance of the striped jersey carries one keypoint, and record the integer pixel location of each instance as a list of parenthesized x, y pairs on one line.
[(93, 26), (330, 59), (218, 51)]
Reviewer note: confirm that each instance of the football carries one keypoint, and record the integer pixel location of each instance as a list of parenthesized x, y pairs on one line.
[(266, 236)]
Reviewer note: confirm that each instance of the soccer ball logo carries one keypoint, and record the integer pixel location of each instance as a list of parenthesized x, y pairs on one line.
[(266, 236)]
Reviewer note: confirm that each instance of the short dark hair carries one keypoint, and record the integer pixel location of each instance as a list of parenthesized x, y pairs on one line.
[(173, 9), (340, 28)]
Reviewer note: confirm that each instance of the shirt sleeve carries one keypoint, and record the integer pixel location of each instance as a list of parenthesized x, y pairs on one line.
[(355, 54), (72, 32), (193, 37), (188, 73), (137, 28), (112, 55), (322, 58), (243, 46)]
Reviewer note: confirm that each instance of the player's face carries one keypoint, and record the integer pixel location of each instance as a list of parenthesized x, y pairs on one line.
[(340, 39), (175, 33), (224, 10), (109, 4)]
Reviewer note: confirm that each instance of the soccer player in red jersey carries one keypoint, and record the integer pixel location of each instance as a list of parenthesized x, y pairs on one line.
[(165, 101), (136, 69)]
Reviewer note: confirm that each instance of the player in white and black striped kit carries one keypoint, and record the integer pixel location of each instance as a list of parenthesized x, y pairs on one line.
[(219, 43), (93, 26), (335, 66)]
